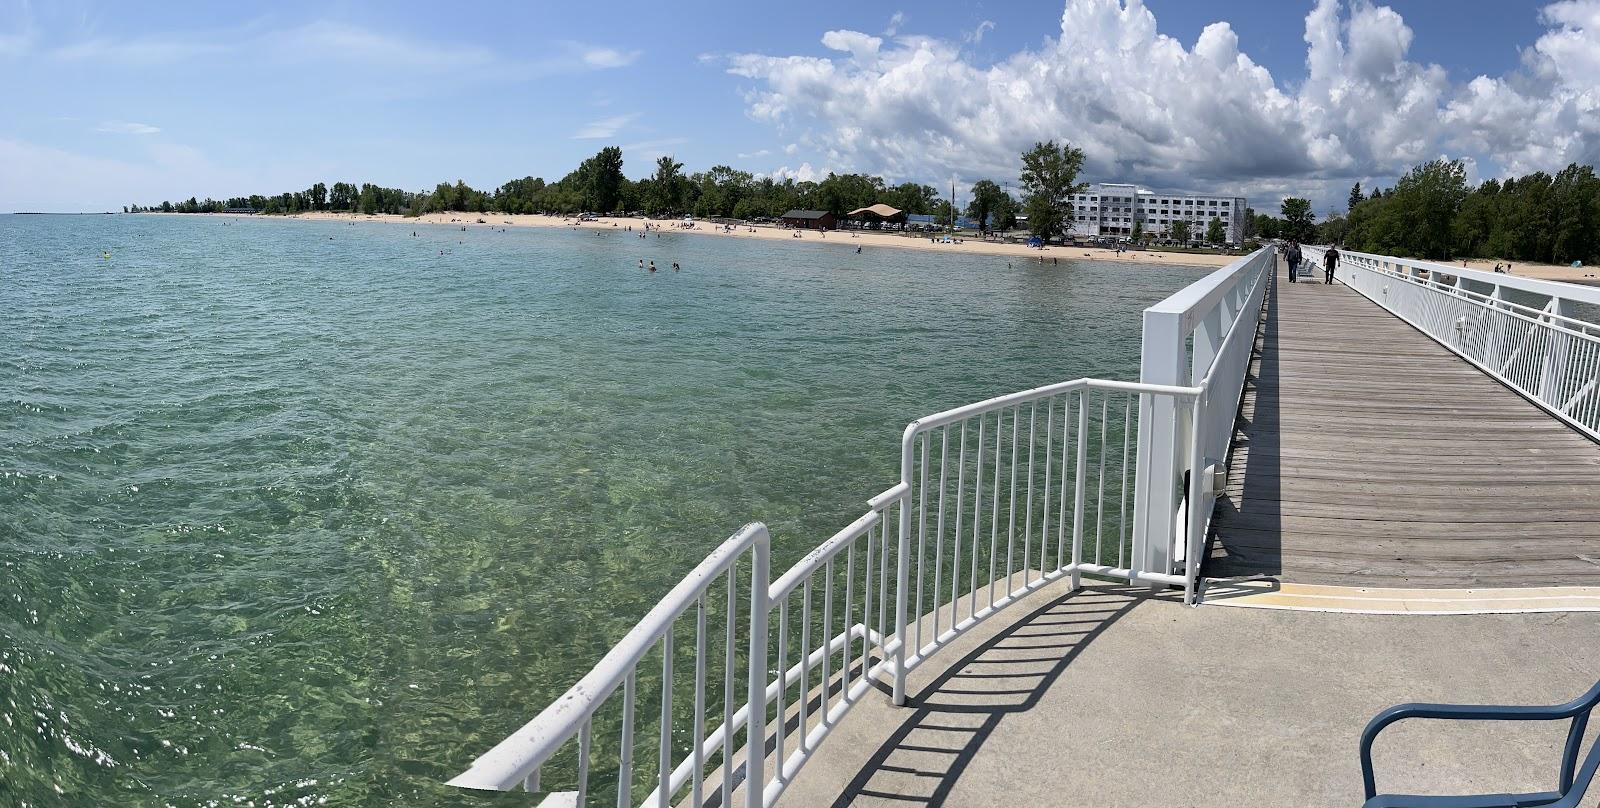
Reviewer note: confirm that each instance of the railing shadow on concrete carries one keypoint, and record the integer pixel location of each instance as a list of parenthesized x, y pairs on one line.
[(950, 719)]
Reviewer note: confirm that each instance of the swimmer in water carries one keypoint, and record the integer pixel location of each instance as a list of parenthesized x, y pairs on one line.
[(641, 263), (674, 266), (652, 266)]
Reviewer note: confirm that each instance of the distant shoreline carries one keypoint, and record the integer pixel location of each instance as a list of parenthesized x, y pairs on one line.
[(858, 238), (1583, 276)]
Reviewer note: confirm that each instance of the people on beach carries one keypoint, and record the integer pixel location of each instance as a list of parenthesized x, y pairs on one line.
[(1291, 254), (1330, 260)]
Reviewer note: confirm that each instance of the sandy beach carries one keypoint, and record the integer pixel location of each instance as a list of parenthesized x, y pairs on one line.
[(862, 238), (1588, 276)]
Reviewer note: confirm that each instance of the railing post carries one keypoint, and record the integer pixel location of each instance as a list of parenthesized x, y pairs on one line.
[(1555, 355), (756, 690), (1162, 361), (902, 575)]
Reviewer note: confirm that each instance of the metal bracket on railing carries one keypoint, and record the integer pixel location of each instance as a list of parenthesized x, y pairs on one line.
[(1216, 477)]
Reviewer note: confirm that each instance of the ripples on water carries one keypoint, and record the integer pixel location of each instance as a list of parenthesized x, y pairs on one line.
[(307, 512)]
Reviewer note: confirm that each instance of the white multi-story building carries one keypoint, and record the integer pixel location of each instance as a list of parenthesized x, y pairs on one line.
[(1111, 209)]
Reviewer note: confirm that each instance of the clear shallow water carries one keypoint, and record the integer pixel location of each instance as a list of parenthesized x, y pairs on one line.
[(289, 517)]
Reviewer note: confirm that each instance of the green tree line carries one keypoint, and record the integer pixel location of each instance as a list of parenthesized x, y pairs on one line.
[(596, 185), (1048, 178), (1432, 212)]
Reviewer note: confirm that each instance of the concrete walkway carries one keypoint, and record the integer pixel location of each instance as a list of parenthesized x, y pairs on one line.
[(1108, 697)]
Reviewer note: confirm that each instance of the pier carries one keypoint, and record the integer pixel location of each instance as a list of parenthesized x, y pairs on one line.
[(1369, 455), (1394, 474)]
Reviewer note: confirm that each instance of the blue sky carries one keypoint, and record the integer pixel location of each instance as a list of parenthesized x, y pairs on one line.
[(112, 103)]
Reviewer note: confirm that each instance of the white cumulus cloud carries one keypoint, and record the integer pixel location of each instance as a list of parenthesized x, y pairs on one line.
[(1148, 108)]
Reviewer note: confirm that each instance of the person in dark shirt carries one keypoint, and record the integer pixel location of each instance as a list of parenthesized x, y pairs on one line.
[(1330, 261), (1291, 254)]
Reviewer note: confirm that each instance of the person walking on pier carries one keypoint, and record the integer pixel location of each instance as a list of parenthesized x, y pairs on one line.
[(1330, 261), (1291, 254)]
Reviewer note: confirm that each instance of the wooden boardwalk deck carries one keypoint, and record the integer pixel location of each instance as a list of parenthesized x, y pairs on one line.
[(1368, 455)]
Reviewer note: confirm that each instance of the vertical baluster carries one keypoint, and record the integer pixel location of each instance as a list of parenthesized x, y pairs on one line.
[(585, 739), (922, 536), (883, 581), (1100, 479), (977, 521), (938, 533), (1049, 442), (1077, 501), (1011, 513), (849, 591), (698, 753), (1123, 517), (866, 604), (1027, 520), (1061, 515), (805, 663), (625, 767), (663, 789), (827, 637), (994, 505), (955, 536), (728, 692), (783, 687)]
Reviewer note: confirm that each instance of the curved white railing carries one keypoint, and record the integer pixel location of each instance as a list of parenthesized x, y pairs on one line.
[(517, 759), (996, 499), (1540, 338)]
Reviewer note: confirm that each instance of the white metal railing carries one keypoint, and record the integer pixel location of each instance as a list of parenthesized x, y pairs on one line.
[(1203, 336), (995, 500), (1540, 338)]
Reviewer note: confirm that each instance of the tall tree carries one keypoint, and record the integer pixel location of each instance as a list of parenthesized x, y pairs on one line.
[(1178, 231), (1049, 179), (1355, 198), (664, 189), (1216, 233), (913, 197), (986, 197), (1005, 213), (602, 176), (1298, 220)]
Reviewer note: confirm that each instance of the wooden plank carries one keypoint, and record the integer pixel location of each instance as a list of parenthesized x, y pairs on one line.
[(1367, 454)]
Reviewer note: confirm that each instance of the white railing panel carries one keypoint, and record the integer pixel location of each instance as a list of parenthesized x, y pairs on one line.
[(1540, 338), (1202, 335)]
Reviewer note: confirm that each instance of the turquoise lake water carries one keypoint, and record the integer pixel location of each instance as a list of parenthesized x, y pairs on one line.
[(303, 510)]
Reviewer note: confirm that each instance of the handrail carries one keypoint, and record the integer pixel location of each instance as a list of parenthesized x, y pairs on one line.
[(1031, 487), (1537, 286), (517, 758)]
